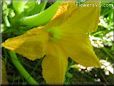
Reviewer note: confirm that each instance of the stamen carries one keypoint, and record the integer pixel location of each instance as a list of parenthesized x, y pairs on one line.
[(54, 33)]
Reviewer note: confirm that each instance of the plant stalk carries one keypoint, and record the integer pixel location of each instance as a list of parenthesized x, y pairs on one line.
[(21, 69)]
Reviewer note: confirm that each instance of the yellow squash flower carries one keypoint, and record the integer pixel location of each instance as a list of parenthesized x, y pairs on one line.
[(66, 35)]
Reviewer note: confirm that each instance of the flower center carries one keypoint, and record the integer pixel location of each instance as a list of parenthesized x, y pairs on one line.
[(54, 34)]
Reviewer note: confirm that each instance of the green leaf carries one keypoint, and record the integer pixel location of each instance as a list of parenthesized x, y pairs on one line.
[(33, 7), (41, 18), (18, 6)]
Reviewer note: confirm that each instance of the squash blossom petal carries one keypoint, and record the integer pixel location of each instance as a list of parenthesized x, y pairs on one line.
[(66, 35)]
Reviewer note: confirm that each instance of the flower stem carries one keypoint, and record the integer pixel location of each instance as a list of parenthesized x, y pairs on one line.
[(21, 69)]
